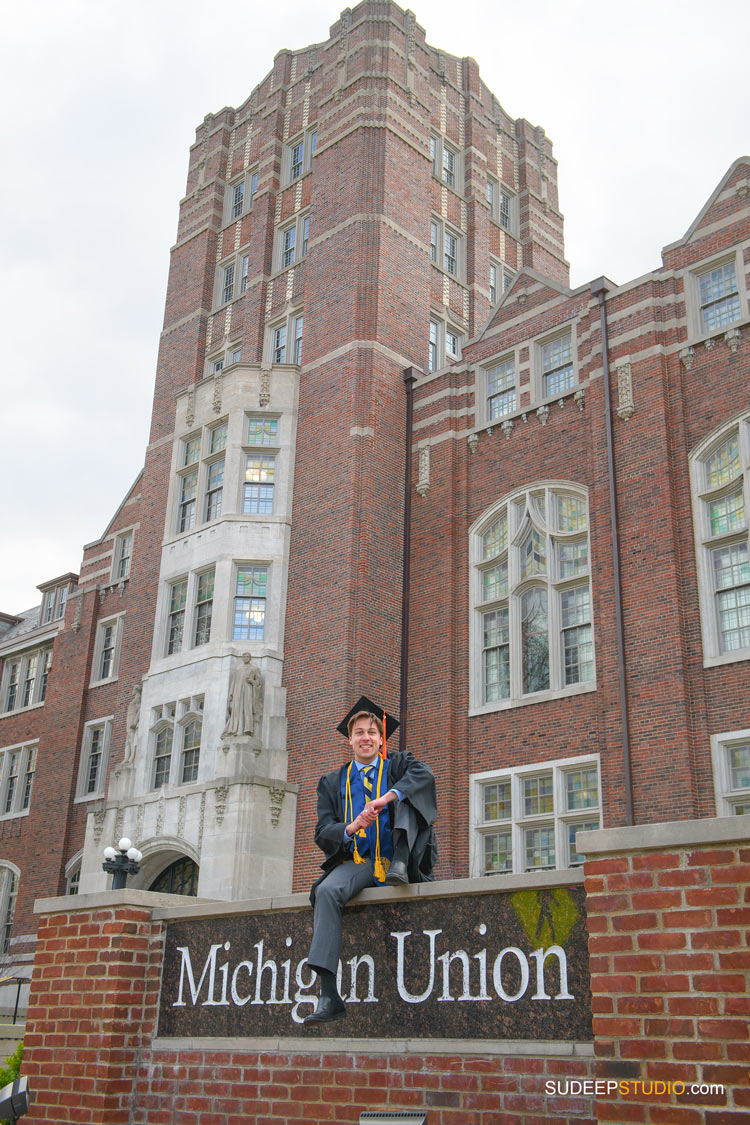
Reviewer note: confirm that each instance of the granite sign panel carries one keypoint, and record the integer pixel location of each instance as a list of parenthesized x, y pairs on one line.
[(500, 965)]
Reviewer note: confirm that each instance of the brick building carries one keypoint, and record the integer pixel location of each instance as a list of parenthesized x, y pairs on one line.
[(578, 590)]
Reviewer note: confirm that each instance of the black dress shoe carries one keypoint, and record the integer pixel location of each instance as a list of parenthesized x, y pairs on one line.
[(397, 873), (329, 1008)]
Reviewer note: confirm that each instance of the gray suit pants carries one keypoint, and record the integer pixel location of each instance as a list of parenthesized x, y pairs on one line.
[(343, 883)]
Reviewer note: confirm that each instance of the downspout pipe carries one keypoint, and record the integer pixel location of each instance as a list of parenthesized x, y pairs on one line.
[(410, 378), (599, 289)]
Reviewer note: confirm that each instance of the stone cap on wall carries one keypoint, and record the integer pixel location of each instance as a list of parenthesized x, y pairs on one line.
[(669, 834), (178, 907)]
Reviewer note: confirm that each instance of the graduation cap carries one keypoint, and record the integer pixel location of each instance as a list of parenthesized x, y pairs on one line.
[(367, 705)]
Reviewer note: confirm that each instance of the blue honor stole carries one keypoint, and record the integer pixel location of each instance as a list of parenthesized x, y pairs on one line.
[(376, 841)]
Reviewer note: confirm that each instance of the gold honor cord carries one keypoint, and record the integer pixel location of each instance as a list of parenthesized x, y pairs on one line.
[(380, 866)]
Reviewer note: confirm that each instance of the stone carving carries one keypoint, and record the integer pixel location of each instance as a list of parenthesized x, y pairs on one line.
[(218, 380), (99, 818), (276, 794), (264, 394), (423, 483), (77, 619), (132, 719), (119, 824), (220, 796), (201, 819), (687, 355), (160, 812), (626, 405), (732, 339), (543, 414), (181, 818), (579, 398), (709, 344), (190, 411), (507, 427), (472, 441), (245, 701), (139, 821)]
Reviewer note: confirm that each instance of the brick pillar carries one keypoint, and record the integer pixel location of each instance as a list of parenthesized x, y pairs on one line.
[(669, 918), (93, 1002)]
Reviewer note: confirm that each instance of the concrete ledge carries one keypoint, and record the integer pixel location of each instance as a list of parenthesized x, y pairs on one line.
[(180, 907), (444, 888), (670, 834), (69, 904), (553, 1048)]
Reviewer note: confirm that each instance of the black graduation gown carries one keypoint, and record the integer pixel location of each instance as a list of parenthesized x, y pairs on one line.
[(416, 783)]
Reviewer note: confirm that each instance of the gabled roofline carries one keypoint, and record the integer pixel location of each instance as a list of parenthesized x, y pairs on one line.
[(708, 204), (121, 505)]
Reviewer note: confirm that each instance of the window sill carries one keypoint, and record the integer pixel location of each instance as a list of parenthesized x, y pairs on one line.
[(14, 815), (446, 273), (102, 683), (22, 710), (84, 797), (710, 340), (528, 700), (726, 658)]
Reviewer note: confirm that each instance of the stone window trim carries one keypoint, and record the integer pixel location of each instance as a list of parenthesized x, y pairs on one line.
[(105, 664), (500, 396), (447, 249), (544, 799), (720, 488), (445, 343), (240, 195), (291, 242), (232, 278), (555, 364), (73, 873), (503, 205), (298, 155), (447, 162), (54, 601), (122, 555), (186, 611), (284, 339), (730, 757), (502, 643), (10, 877), (24, 679), (251, 594), (175, 737), (500, 278), (94, 762), (198, 490), (224, 358), (17, 768), (730, 306)]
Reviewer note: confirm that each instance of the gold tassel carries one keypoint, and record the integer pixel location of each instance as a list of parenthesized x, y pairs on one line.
[(379, 871), (357, 857)]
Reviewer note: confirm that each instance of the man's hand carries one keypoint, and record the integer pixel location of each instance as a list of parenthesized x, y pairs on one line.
[(370, 812)]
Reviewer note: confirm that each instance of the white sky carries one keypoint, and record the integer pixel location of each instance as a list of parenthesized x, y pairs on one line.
[(646, 104)]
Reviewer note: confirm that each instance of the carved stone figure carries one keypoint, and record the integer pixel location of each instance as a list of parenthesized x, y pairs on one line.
[(132, 720), (244, 705)]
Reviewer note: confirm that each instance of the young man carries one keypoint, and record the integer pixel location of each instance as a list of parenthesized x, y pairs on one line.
[(375, 818)]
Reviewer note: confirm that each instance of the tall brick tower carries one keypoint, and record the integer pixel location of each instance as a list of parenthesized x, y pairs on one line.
[(358, 215)]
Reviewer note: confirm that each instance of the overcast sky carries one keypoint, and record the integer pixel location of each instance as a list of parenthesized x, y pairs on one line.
[(646, 104)]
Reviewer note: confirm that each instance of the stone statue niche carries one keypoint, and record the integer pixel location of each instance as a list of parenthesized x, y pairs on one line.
[(121, 782), (244, 707)]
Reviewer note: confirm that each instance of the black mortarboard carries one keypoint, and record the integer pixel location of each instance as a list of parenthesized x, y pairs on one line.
[(365, 704)]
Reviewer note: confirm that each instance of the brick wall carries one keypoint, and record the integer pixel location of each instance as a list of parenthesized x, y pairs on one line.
[(669, 918), (93, 999)]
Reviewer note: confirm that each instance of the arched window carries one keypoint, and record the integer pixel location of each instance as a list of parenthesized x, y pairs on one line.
[(532, 634), (180, 878), (720, 472)]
